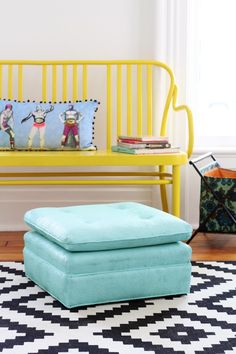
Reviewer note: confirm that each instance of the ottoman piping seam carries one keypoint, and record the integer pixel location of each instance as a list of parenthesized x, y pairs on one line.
[(113, 241)]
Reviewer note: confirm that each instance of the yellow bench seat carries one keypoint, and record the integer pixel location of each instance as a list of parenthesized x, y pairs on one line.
[(88, 158)]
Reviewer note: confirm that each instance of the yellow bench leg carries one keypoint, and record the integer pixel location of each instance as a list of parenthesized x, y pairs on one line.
[(176, 191), (164, 200)]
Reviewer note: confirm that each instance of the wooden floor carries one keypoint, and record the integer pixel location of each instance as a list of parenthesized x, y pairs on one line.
[(206, 247)]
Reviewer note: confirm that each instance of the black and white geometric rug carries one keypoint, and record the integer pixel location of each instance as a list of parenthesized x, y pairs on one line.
[(204, 321)]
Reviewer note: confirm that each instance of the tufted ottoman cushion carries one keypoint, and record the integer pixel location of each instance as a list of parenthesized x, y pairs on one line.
[(107, 226), (105, 253)]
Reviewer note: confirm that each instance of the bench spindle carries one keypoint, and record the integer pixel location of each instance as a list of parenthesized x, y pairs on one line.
[(44, 83), (10, 82), (54, 83), (129, 99), (75, 82), (85, 82), (64, 83), (109, 107), (139, 95), (20, 82), (149, 99), (119, 99)]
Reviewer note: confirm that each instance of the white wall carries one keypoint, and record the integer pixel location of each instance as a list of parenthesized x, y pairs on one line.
[(77, 29), (73, 29)]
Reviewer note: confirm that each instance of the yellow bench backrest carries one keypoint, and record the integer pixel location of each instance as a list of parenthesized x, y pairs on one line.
[(129, 88)]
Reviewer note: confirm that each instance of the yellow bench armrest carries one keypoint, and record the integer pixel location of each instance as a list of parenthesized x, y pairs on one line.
[(189, 117)]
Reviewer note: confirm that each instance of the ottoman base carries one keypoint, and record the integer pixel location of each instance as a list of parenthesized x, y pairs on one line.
[(151, 277)]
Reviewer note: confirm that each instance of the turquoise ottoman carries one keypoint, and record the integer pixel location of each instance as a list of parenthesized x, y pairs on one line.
[(101, 253)]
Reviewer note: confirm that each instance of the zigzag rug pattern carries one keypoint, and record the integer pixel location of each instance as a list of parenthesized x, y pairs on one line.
[(31, 321)]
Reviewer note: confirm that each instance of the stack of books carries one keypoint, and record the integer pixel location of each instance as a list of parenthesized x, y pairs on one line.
[(139, 145)]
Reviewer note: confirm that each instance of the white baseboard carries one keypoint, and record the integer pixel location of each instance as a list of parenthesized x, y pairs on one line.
[(15, 201)]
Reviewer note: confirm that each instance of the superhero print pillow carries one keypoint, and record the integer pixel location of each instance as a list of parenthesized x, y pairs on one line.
[(47, 126)]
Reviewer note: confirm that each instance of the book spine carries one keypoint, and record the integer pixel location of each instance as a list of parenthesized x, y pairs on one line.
[(131, 141), (144, 151), (123, 149), (156, 151), (132, 146), (143, 138), (144, 146), (158, 146)]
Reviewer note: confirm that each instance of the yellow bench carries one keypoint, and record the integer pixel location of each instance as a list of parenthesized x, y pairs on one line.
[(131, 95)]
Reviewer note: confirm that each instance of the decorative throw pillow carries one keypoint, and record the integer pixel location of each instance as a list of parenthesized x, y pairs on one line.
[(49, 126)]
